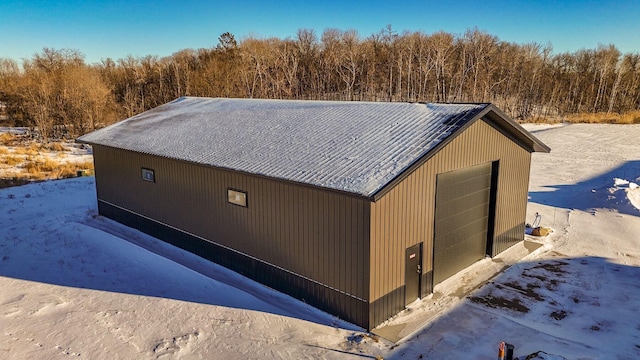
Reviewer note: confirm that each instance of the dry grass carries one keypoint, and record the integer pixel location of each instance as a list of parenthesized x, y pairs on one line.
[(34, 148), (13, 160), (7, 139), (25, 160), (35, 166), (56, 146), (632, 117), (605, 118), (41, 169), (31, 150)]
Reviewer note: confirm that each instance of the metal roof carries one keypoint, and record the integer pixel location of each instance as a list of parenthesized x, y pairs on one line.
[(356, 147)]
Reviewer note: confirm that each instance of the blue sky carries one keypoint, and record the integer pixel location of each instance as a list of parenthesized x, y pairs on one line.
[(101, 29)]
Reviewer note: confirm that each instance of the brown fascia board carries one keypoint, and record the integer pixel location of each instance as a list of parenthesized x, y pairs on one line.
[(502, 121), (495, 118)]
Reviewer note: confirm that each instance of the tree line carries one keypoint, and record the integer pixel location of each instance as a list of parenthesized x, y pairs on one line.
[(57, 92)]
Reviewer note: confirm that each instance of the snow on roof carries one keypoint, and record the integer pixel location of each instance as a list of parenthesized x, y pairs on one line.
[(357, 147)]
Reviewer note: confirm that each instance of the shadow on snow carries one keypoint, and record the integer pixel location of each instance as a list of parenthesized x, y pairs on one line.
[(593, 193), (80, 249), (581, 307)]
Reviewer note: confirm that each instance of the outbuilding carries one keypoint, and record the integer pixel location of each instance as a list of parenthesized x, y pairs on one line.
[(357, 208)]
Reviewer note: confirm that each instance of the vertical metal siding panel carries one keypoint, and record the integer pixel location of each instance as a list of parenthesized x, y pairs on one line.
[(292, 242), (319, 213), (400, 240), (382, 248), (352, 238), (418, 189), (313, 205), (394, 241), (375, 235), (323, 236), (380, 236), (379, 230), (286, 221), (387, 264), (330, 243), (373, 249), (351, 245), (312, 234), (352, 256), (405, 221), (361, 248), (458, 152), (268, 230), (324, 213), (198, 187), (425, 185), (342, 243), (281, 240), (380, 262), (297, 247), (366, 257), (348, 239), (298, 255), (400, 221), (327, 245), (256, 213), (390, 240), (334, 250), (398, 250), (303, 230), (409, 210)]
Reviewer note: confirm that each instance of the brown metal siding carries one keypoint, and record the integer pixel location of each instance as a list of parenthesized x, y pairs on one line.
[(404, 216), (317, 234)]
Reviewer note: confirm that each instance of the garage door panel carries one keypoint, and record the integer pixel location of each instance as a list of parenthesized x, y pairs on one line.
[(451, 212), (470, 193), (459, 194), (456, 257), (461, 222), (477, 183), (459, 218), (456, 234), (465, 234), (463, 203)]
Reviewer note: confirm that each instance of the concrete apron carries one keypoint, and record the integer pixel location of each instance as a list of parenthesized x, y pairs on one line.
[(450, 292)]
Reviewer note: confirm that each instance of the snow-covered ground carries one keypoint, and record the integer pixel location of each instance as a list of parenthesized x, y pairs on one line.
[(75, 284)]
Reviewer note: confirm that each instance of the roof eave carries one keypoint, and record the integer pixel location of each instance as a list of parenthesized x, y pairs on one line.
[(515, 130)]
